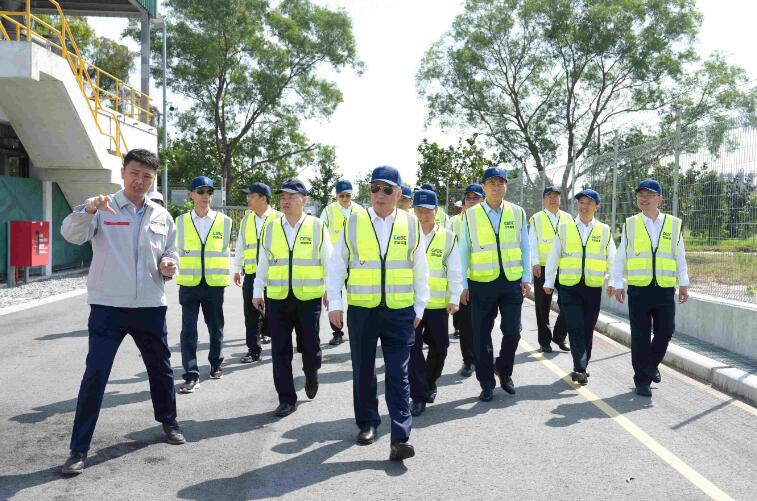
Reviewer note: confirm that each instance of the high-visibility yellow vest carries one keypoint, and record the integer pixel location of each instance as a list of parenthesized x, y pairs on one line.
[(490, 251), (374, 279), (298, 269), (456, 223), (336, 220), (441, 218), (437, 255), (210, 259), (644, 263), (577, 260), (251, 248), (545, 232)]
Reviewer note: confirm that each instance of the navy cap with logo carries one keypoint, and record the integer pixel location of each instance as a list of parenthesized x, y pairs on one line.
[(387, 174), (293, 185), (428, 186), (343, 186), (425, 199), (200, 182), (588, 192), (474, 188), (260, 188), (407, 192), (494, 172), (550, 189), (650, 184)]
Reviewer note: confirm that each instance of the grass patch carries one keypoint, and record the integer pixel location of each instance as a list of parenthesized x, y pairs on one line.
[(726, 269)]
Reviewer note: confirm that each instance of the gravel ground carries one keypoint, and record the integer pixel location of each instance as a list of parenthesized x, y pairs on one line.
[(41, 289)]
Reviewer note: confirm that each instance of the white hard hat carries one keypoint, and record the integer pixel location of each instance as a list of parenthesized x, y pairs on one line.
[(155, 195)]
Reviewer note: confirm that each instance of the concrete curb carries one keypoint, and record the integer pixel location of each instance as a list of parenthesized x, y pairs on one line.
[(40, 302), (723, 377)]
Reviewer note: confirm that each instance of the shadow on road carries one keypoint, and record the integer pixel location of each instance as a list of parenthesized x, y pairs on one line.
[(111, 399), (575, 413), (62, 335)]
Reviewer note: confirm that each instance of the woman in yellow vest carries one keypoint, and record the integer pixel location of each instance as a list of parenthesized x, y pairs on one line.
[(582, 253), (202, 237), (387, 291), (541, 234), (334, 216), (292, 269), (651, 260), (246, 263), (445, 285)]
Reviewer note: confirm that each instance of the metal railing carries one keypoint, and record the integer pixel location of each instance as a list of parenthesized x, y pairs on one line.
[(103, 92)]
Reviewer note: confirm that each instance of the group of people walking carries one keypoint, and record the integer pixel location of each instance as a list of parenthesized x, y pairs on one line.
[(398, 269)]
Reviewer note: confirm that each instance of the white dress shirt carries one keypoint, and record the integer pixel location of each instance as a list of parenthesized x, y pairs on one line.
[(238, 262), (553, 260), (532, 240), (261, 276), (654, 228), (203, 224), (454, 268), (337, 266)]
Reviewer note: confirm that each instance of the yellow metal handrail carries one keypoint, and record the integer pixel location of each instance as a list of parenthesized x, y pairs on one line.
[(125, 99)]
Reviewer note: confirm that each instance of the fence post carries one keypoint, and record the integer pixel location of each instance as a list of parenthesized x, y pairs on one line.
[(446, 201), (615, 142), (677, 166), (522, 182)]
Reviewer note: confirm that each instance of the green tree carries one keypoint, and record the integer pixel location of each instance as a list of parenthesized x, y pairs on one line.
[(363, 185), (327, 174), (253, 70)]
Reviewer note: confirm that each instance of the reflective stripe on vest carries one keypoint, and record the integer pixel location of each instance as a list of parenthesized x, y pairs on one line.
[(456, 223), (298, 269), (441, 218), (642, 262), (545, 232), (490, 251), (211, 259), (577, 260), (373, 279), (437, 254), (251, 243)]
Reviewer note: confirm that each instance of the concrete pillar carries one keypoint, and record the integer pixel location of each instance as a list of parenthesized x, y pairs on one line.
[(144, 41), (47, 215)]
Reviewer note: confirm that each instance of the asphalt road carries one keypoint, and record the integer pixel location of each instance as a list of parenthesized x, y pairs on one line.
[(550, 441)]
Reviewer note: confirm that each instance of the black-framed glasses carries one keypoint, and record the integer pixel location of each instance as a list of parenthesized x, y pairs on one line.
[(204, 191), (388, 190)]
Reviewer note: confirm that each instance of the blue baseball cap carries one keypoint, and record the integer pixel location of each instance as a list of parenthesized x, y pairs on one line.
[(588, 192), (550, 189), (425, 199), (293, 185), (260, 188), (407, 192), (650, 184), (474, 188), (388, 174), (200, 182), (343, 186), (428, 186), (494, 172)]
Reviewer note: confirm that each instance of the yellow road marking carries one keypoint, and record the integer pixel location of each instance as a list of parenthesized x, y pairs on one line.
[(687, 471)]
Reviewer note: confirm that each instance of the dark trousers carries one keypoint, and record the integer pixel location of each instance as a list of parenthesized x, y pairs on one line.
[(462, 322), (191, 299), (651, 309), (107, 328), (486, 299), (543, 304), (285, 315), (581, 307), (424, 372), (395, 330), (252, 334)]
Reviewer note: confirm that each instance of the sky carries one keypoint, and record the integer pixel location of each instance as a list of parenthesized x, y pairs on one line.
[(382, 120)]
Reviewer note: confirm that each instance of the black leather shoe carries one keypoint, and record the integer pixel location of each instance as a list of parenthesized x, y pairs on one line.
[(250, 358), (466, 370), (367, 436), (486, 395), (337, 339), (400, 451), (311, 385), (657, 377), (284, 410), (643, 390), (265, 339), (417, 408), (74, 464), (547, 348), (563, 346), (431, 396), (507, 384), (173, 433), (456, 334), (579, 377)]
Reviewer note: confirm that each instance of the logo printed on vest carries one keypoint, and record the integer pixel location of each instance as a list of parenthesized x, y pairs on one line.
[(509, 224), (306, 240), (596, 238), (667, 235), (436, 252), (217, 234), (400, 239)]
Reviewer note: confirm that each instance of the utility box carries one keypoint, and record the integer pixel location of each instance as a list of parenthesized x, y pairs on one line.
[(29, 243)]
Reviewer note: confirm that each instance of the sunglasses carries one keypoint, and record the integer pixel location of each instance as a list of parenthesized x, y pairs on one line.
[(204, 191), (388, 190)]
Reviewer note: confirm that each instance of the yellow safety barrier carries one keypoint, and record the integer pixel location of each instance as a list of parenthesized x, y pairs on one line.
[(124, 99)]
